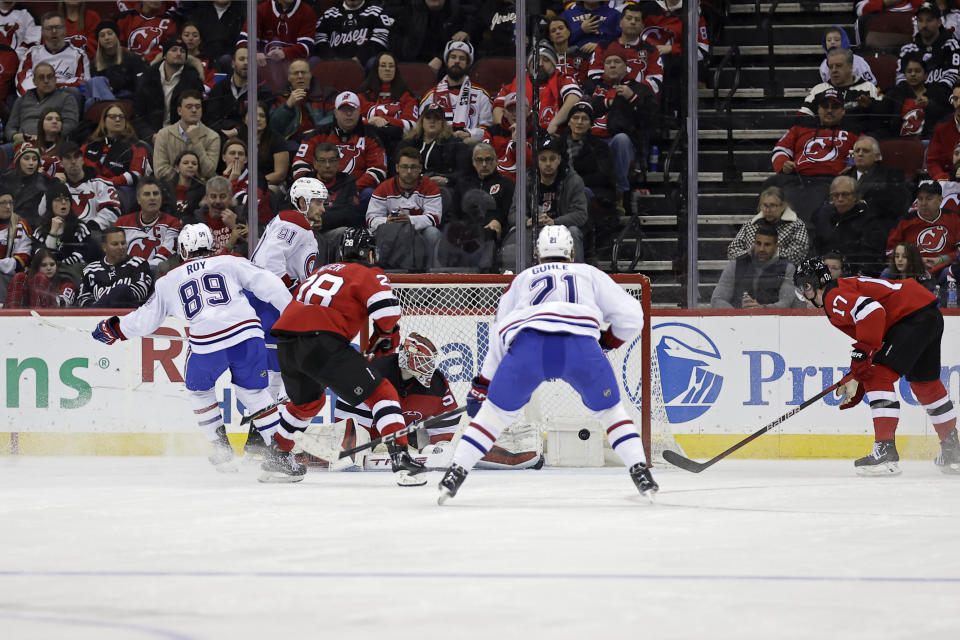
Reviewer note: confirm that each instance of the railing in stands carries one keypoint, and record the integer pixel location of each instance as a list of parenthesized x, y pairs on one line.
[(774, 88), (730, 171)]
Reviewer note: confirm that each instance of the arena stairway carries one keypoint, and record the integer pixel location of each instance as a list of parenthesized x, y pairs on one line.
[(759, 114)]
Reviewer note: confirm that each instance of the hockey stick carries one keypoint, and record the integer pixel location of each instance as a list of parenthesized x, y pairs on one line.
[(387, 439), (43, 320), (687, 464), (262, 412)]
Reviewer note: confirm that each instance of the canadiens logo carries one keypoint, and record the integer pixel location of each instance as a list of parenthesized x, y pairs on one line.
[(932, 239)]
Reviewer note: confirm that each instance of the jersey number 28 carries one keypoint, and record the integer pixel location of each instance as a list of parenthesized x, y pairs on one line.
[(319, 289)]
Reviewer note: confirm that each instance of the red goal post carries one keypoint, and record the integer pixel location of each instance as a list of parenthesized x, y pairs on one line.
[(455, 311)]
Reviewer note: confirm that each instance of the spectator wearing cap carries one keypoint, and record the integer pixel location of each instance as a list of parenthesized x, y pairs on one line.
[(361, 154), (466, 107), (939, 49), (861, 98), (934, 231), (26, 182), (562, 200), (285, 31), (120, 67), (642, 58), (70, 64), (809, 156), (302, 108), (95, 202), (25, 114), (355, 29), (144, 30), (187, 133), (558, 93), (220, 23), (158, 93), (442, 154), (592, 24), (423, 27), (850, 226), (385, 101), (620, 107), (944, 140), (590, 157)]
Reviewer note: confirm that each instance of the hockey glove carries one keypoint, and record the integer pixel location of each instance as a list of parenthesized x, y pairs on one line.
[(608, 341), (383, 342), (108, 331), (850, 394), (861, 366), (476, 395)]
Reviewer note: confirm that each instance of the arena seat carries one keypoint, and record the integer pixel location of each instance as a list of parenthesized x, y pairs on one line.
[(418, 76), (889, 30), (342, 75), (884, 68), (492, 73), (904, 153)]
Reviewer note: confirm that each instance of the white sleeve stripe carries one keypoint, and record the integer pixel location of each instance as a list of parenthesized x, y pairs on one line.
[(385, 312), (864, 307), (378, 296)]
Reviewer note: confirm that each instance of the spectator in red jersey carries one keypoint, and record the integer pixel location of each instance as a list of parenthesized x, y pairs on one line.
[(867, 10), (557, 92), (386, 102), (273, 157), (115, 154), (14, 242), (285, 31), (410, 200), (807, 158), (70, 63), (936, 233), (343, 210), (151, 234), (120, 67), (945, 137), (64, 233), (642, 58), (80, 23), (914, 108), (302, 108), (40, 286), (220, 214), (571, 61), (183, 192), (50, 139), (158, 92), (144, 30), (361, 154), (26, 182), (190, 34), (442, 154)]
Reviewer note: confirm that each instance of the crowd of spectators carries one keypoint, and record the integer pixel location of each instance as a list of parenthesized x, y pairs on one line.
[(123, 121)]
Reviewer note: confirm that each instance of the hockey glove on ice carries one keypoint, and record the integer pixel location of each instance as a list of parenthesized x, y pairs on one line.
[(108, 331), (476, 395), (861, 366)]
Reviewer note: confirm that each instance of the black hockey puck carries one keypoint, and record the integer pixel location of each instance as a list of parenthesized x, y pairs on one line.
[(584, 434)]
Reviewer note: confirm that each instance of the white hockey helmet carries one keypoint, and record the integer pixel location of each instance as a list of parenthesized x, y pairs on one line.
[(555, 241), (418, 355), (193, 238), (309, 189)]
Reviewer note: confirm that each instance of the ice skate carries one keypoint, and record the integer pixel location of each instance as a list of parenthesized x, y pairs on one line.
[(222, 457), (254, 448), (882, 461), (280, 466), (451, 482), (407, 471), (644, 480), (949, 458)]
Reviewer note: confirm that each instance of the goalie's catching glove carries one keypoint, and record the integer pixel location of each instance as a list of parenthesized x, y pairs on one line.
[(108, 331), (850, 393), (476, 395)]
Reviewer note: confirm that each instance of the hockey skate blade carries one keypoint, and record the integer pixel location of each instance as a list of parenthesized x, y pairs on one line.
[(272, 477), (884, 469), (951, 469), (444, 496), (651, 496), (406, 479)]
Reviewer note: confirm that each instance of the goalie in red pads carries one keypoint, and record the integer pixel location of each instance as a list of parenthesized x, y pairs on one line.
[(897, 328), (314, 352)]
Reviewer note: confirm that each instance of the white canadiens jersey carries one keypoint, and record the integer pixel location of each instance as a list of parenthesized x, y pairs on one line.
[(288, 249), (561, 297), (208, 293)]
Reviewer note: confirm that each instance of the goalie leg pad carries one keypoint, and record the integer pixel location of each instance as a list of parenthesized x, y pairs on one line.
[(326, 441), (520, 446), (207, 410), (622, 434), (294, 418)]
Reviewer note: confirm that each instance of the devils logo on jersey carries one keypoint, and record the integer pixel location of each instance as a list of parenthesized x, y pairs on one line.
[(349, 154), (80, 202), (822, 149), (932, 239), (145, 39), (7, 32), (912, 121)]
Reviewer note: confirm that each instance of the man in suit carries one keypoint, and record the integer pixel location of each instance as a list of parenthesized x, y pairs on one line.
[(883, 188)]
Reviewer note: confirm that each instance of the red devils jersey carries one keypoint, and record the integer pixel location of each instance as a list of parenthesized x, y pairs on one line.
[(292, 31), (553, 92), (338, 298), (912, 118), (121, 162), (9, 61), (644, 64), (866, 308), (400, 112), (935, 238), (360, 155), (144, 35), (656, 14), (84, 39), (154, 242), (814, 151)]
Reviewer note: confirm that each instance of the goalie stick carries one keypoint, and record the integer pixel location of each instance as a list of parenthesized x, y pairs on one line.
[(60, 327), (692, 466)]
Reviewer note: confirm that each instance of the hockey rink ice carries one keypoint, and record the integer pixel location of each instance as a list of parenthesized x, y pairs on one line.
[(146, 548)]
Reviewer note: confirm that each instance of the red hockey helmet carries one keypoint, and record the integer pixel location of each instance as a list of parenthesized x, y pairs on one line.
[(418, 355)]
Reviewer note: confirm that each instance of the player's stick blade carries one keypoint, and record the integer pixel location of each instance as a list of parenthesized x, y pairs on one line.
[(686, 464)]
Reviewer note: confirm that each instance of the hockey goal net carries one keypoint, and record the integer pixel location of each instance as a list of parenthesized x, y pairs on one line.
[(456, 312)]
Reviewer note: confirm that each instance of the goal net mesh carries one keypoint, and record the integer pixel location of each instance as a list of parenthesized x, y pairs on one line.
[(456, 312)]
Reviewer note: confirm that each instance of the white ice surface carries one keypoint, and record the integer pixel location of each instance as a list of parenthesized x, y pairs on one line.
[(143, 548)]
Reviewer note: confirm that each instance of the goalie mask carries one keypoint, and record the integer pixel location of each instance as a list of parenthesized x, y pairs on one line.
[(813, 274), (418, 355), (194, 238)]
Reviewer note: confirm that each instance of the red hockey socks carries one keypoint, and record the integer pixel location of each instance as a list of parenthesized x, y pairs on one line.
[(884, 404), (936, 402)]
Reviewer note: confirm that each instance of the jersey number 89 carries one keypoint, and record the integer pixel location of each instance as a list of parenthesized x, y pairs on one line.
[(193, 302)]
